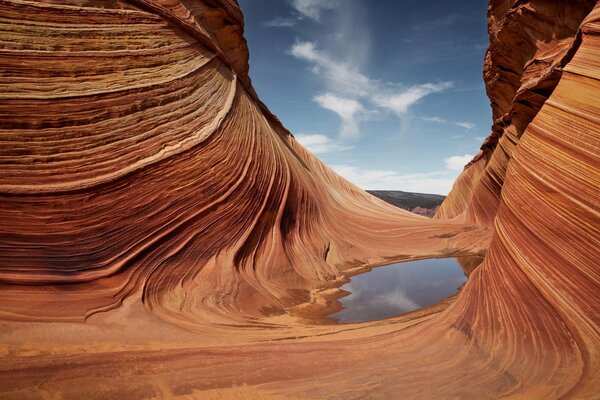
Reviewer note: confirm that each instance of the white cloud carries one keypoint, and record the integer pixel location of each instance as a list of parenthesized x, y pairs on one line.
[(439, 182), (436, 120), (340, 77), (319, 144), (347, 86), (457, 163), (348, 110), (313, 8), (281, 22), (463, 124), (467, 125), (400, 102)]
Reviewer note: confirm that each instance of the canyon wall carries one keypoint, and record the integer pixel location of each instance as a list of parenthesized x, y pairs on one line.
[(162, 231), (137, 160), (530, 44)]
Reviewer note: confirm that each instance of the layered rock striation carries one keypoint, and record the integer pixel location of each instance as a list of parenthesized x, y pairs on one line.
[(530, 44), (138, 161)]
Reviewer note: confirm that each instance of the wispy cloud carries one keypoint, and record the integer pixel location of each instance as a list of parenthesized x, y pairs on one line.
[(347, 88), (401, 101), (321, 144), (313, 8), (281, 22), (467, 125), (349, 111), (439, 182), (339, 77), (463, 124), (472, 88), (436, 120), (457, 163)]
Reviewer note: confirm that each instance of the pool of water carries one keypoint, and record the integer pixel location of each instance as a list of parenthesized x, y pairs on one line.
[(399, 288)]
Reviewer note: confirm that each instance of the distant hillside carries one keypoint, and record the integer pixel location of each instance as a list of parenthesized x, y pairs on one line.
[(418, 203)]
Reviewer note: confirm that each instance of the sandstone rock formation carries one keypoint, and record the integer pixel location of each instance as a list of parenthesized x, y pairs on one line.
[(162, 235), (530, 44)]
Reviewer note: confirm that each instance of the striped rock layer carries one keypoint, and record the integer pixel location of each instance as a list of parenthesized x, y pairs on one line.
[(162, 235)]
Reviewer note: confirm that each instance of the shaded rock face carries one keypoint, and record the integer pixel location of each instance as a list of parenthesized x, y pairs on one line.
[(161, 228)]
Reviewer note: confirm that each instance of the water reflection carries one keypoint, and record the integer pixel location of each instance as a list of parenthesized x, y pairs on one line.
[(402, 287)]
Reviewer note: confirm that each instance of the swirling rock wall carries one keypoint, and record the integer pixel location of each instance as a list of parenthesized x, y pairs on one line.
[(160, 230), (136, 158)]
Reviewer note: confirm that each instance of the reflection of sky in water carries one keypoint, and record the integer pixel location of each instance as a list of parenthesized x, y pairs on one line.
[(399, 288)]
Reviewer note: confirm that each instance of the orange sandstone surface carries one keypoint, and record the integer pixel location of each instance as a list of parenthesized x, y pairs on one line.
[(162, 235)]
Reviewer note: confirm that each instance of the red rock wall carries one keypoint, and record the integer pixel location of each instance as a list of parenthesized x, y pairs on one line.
[(540, 188), (136, 159), (530, 43)]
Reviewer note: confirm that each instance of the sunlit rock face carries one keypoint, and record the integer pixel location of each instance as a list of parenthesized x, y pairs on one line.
[(161, 230), (138, 161), (530, 44)]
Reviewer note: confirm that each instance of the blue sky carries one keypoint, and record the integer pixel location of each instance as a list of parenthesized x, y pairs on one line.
[(389, 93)]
